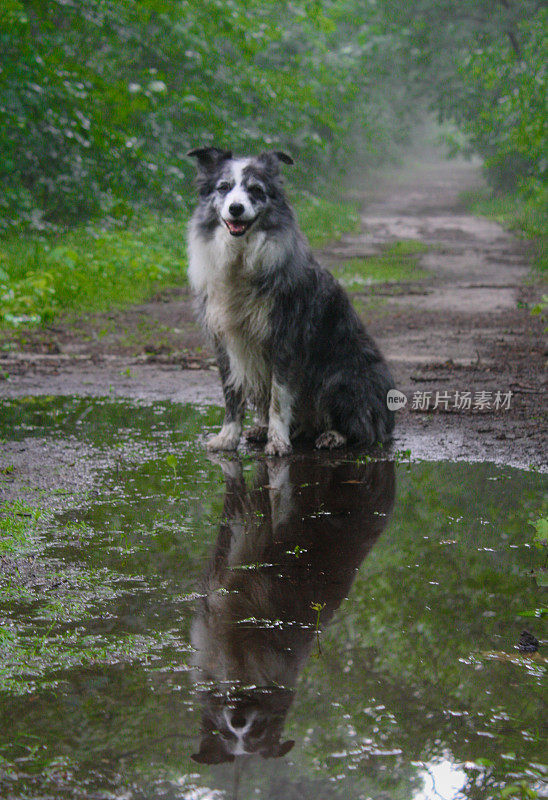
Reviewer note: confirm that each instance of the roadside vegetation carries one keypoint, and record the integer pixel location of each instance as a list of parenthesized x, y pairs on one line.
[(516, 213), (88, 269)]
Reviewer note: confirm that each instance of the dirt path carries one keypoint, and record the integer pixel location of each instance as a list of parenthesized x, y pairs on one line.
[(465, 328)]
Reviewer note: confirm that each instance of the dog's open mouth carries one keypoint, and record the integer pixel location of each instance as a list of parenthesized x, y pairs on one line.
[(238, 228)]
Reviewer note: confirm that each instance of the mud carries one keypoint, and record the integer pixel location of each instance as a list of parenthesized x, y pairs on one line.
[(466, 327)]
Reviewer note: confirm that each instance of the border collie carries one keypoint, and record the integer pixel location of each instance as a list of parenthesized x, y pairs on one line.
[(285, 335)]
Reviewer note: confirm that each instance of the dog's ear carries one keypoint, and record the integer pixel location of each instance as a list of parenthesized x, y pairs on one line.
[(271, 159), (209, 158), (281, 156), (285, 157), (212, 751), (280, 749)]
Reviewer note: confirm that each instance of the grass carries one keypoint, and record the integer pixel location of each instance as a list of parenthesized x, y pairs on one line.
[(515, 213), (88, 269), (325, 220), (397, 263), (17, 526), (93, 269)]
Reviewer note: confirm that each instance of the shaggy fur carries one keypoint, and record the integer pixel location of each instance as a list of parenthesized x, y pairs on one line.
[(285, 334)]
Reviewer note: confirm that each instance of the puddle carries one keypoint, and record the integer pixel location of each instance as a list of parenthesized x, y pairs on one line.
[(319, 627)]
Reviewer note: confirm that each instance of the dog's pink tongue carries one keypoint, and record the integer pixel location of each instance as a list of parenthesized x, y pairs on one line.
[(236, 227)]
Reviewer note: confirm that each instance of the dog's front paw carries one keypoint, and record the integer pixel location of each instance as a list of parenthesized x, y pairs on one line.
[(257, 433), (276, 446), (329, 440), (227, 439)]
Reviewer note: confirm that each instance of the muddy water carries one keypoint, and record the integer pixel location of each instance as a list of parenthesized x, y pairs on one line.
[(317, 627)]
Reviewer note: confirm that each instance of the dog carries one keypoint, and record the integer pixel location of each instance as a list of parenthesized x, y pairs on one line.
[(289, 545), (283, 330)]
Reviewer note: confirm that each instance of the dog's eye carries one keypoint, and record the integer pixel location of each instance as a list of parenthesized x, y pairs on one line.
[(224, 187), (256, 192)]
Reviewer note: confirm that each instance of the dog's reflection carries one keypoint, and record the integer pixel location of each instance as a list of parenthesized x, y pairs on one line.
[(286, 555)]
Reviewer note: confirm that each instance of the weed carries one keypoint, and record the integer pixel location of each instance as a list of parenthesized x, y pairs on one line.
[(517, 791), (171, 461), (540, 309), (541, 536), (403, 457), (296, 551), (89, 269), (325, 220), (318, 608)]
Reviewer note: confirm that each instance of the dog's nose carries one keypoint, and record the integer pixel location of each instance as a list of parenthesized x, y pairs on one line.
[(236, 209), (238, 719)]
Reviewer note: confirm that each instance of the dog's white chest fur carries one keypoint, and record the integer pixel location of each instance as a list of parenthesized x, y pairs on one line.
[(222, 270)]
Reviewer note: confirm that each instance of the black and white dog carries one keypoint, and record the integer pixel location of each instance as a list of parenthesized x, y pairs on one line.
[(285, 334)]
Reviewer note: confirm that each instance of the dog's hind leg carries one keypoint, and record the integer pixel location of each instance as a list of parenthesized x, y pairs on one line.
[(229, 435), (356, 404), (329, 440), (258, 433)]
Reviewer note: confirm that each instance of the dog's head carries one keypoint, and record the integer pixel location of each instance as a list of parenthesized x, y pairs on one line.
[(238, 191), (244, 723)]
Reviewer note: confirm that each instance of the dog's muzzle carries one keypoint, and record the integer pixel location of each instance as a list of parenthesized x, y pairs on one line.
[(238, 227)]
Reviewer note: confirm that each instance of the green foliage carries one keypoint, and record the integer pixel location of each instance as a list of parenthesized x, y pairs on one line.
[(171, 461), (517, 791), (325, 220), (88, 270), (101, 99), (403, 248), (541, 536), (541, 310), (503, 110)]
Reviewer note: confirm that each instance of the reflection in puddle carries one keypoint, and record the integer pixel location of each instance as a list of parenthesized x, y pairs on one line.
[(443, 780), (180, 612), (286, 556)]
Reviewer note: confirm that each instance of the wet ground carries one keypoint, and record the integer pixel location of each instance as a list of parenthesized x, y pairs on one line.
[(326, 626)]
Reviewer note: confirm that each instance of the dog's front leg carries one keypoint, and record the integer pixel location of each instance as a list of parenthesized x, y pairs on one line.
[(258, 433), (229, 435), (279, 420)]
